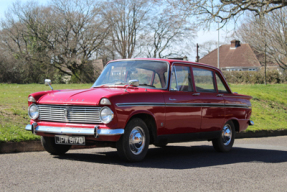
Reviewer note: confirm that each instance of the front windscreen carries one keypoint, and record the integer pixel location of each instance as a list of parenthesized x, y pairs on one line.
[(148, 73)]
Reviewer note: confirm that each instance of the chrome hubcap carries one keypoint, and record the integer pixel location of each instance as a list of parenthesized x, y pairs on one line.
[(226, 134), (137, 140)]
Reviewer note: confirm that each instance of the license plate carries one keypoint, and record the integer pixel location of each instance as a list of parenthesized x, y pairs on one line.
[(69, 140)]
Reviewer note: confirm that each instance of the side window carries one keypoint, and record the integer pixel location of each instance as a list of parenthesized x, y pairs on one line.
[(181, 78), (220, 86), (203, 80), (156, 81)]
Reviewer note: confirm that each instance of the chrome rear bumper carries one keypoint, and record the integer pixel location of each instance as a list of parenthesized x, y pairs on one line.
[(251, 122), (74, 130)]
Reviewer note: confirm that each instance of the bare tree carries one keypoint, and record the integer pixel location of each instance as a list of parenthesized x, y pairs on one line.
[(272, 35), (224, 10), (67, 32), (127, 19), (166, 33)]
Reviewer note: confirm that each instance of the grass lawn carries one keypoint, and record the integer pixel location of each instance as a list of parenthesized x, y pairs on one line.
[(269, 107), (14, 109)]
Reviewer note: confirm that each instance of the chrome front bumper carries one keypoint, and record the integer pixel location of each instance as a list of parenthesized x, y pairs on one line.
[(74, 130)]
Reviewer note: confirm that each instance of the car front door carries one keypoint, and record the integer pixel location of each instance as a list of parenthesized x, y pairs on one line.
[(182, 113)]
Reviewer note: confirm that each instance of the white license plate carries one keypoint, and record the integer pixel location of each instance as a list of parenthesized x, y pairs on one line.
[(69, 140)]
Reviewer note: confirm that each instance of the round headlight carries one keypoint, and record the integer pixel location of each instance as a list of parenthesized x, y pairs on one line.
[(33, 111), (106, 115)]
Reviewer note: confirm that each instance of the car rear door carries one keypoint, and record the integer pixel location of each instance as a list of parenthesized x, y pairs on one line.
[(212, 102)]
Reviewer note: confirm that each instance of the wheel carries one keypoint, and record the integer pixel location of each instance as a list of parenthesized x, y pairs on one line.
[(49, 144), (133, 145), (225, 142)]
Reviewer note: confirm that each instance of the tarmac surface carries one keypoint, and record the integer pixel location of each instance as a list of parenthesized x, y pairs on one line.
[(254, 164)]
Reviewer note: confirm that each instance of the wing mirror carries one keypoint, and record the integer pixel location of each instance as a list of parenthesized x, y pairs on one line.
[(48, 82), (134, 82)]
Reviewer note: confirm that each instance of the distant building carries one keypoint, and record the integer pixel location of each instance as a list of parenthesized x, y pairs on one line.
[(235, 57)]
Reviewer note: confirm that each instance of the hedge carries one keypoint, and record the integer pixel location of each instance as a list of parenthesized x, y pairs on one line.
[(254, 77)]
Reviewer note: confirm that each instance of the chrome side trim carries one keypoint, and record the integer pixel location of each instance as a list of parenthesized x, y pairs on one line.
[(76, 131), (184, 105), (139, 104)]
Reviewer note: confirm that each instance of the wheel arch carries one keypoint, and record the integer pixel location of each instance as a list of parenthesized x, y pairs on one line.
[(149, 121), (236, 124)]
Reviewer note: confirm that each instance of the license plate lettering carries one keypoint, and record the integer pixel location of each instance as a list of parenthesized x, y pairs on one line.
[(69, 140)]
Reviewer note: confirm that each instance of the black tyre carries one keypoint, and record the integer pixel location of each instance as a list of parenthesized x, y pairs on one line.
[(133, 145), (225, 142), (49, 144)]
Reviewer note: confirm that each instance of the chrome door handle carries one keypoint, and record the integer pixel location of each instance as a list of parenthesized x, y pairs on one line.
[(219, 95), (172, 99), (196, 94)]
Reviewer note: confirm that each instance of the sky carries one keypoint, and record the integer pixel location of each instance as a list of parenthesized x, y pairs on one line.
[(202, 36)]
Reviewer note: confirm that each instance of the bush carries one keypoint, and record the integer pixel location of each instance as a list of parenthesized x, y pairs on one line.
[(253, 77)]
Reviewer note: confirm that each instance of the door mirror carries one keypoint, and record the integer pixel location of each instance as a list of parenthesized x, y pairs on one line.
[(48, 83), (134, 82)]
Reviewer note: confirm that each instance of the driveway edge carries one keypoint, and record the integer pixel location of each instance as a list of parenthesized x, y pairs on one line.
[(31, 146)]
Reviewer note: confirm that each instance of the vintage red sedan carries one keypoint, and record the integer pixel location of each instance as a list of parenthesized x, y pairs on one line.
[(138, 102)]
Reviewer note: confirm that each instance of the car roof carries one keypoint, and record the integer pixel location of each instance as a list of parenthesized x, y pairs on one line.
[(171, 61)]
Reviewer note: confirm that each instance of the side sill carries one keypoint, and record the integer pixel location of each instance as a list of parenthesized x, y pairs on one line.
[(174, 138)]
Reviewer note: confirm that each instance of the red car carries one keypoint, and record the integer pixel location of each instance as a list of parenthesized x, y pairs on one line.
[(138, 102)]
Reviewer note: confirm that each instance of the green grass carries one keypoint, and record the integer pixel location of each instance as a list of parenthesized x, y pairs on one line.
[(14, 106), (269, 107)]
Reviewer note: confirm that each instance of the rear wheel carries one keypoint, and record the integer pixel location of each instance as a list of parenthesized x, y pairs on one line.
[(50, 146), (225, 142), (133, 145)]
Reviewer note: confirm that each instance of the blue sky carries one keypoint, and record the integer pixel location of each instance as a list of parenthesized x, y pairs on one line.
[(5, 4)]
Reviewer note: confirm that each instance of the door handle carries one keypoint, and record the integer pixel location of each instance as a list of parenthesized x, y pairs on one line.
[(196, 94), (172, 99), (219, 95)]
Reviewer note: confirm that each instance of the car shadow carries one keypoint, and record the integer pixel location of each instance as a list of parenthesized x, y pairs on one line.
[(182, 157)]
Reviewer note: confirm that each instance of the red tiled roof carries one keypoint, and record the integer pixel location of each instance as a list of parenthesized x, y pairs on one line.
[(242, 56)]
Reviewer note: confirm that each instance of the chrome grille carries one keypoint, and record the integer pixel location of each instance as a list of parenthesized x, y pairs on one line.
[(72, 114)]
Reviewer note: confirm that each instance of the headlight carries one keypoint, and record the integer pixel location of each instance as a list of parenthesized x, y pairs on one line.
[(33, 111), (106, 115)]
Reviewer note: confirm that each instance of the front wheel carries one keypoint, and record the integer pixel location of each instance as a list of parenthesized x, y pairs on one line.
[(225, 142), (133, 145), (50, 146)]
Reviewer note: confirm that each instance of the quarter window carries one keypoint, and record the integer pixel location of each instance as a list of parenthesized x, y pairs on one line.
[(181, 78), (204, 81), (220, 86)]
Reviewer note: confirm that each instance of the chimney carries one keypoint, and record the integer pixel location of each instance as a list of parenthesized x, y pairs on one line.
[(234, 44)]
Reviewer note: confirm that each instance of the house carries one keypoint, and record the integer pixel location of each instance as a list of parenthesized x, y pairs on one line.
[(233, 57)]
